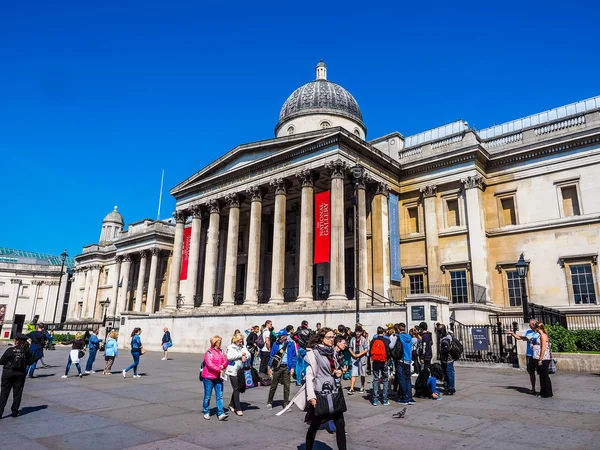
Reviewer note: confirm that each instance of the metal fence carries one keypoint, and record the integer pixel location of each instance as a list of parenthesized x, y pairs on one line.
[(471, 293), (486, 343), (581, 321), (75, 326)]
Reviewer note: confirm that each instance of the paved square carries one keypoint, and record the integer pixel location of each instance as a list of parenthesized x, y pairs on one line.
[(161, 410)]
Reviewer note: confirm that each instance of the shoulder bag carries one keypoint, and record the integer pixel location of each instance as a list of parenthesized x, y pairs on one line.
[(142, 350), (330, 399)]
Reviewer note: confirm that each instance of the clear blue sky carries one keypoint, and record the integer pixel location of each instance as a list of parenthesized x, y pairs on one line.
[(96, 99)]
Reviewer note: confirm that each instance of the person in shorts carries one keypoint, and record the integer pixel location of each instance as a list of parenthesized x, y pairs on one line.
[(529, 336), (359, 348)]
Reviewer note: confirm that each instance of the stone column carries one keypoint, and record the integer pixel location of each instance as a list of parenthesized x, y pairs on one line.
[(123, 291), (231, 256), (192, 278), (307, 210), (337, 171), (93, 311), (12, 302), (253, 265), (175, 271), (474, 186), (212, 254), (74, 295), (363, 274), (151, 295), (381, 240), (47, 300), (115, 287), (33, 295), (139, 293), (278, 263), (434, 275), (86, 290)]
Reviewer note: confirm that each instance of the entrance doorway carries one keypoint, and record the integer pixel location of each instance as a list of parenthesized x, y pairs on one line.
[(17, 325)]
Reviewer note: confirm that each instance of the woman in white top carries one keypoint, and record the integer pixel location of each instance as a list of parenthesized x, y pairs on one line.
[(237, 355)]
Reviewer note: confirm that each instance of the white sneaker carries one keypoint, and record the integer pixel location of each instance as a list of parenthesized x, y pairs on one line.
[(93, 371), (87, 372), (64, 376), (207, 416), (124, 374), (137, 376), (164, 359)]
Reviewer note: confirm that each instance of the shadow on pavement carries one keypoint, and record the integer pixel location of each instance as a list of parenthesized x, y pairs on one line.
[(31, 409), (46, 375), (520, 389)]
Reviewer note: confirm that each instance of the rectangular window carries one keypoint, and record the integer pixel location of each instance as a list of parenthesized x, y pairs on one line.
[(453, 214), (416, 283), (509, 216), (241, 242), (514, 288), (413, 219), (458, 286), (570, 201), (582, 280), (106, 276), (24, 291)]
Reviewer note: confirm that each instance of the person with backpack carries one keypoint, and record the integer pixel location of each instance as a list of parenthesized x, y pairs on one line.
[(425, 349), (402, 355), (264, 342), (380, 355), (38, 341), (359, 347), (15, 361), (415, 351), (447, 353), (252, 344), (237, 355), (166, 344), (94, 346), (136, 351), (301, 336), (281, 367)]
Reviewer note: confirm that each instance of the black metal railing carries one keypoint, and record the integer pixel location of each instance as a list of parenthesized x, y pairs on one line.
[(75, 326), (486, 343), (239, 297), (197, 300), (263, 295), (469, 293), (290, 294), (549, 316), (217, 299), (320, 292), (378, 299), (580, 321)]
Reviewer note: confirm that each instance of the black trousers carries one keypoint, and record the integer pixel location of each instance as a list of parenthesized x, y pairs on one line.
[(545, 383), (16, 382), (340, 431), (264, 361), (235, 395)]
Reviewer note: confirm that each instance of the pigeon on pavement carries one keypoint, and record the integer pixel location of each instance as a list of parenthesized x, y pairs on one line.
[(400, 414)]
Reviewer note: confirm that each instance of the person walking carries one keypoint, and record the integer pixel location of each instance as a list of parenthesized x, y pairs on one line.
[(75, 355), (136, 352), (252, 344), (529, 336), (38, 341), (543, 354), (402, 352), (359, 347), (302, 336), (237, 355), (111, 351), (446, 359), (215, 363), (167, 343), (323, 380), (94, 346), (15, 361), (265, 349), (380, 355), (281, 367), (425, 349)]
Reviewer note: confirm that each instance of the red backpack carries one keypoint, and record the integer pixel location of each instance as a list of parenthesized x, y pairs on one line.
[(378, 351)]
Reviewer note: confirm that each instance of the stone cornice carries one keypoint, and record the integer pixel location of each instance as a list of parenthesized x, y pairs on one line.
[(562, 222)]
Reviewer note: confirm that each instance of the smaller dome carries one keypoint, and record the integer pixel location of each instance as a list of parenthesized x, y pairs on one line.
[(114, 216)]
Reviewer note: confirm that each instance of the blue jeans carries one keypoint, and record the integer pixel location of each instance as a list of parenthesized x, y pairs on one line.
[(380, 370), (36, 351), (209, 385), (404, 381), (134, 365), (300, 365), (448, 368), (69, 366), (91, 359)]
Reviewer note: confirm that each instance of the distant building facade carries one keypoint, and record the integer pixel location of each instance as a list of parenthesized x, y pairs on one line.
[(447, 211)]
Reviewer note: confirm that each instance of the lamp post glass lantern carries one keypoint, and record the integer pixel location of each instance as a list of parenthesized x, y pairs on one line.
[(357, 173), (522, 268), (105, 304)]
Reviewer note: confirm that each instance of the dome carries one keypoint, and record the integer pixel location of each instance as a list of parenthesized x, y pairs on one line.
[(320, 96), (114, 216)]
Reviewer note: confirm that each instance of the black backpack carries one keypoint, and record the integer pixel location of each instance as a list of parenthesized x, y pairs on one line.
[(456, 349), (398, 350)]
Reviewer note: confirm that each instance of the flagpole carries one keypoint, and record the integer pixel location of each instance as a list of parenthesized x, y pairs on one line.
[(162, 179)]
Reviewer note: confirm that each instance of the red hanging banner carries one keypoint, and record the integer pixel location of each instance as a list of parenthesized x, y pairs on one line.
[(322, 235), (185, 253)]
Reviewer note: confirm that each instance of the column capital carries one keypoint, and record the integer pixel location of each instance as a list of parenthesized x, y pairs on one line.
[(214, 206), (473, 181), (37, 282), (337, 168), (180, 216), (196, 212), (307, 177), (96, 266), (255, 193), (127, 257), (428, 191), (361, 181), (118, 259), (232, 200), (15, 281), (143, 254), (280, 185), (155, 251), (383, 189)]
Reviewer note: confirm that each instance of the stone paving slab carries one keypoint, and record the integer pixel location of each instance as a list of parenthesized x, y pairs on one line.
[(162, 410)]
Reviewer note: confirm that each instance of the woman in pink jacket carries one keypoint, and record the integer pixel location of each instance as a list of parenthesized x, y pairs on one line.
[(215, 363)]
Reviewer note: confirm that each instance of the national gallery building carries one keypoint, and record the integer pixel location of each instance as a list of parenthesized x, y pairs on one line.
[(299, 225)]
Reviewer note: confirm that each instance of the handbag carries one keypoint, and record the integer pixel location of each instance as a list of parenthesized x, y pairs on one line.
[(142, 350), (330, 399), (81, 354), (552, 366)]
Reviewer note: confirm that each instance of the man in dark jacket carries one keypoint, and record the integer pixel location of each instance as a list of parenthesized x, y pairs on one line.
[(446, 358), (38, 341), (251, 343), (425, 349), (302, 336), (15, 361)]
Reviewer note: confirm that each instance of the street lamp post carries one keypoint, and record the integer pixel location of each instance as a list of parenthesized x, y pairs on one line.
[(357, 173), (63, 257), (105, 305), (522, 269)]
